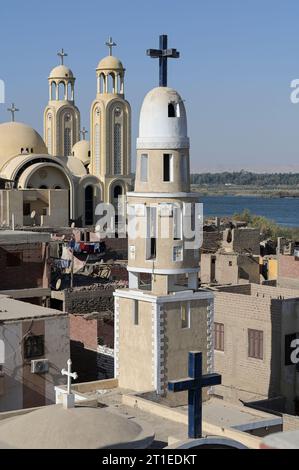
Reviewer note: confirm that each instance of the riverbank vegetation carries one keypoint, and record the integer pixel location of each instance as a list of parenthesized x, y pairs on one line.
[(246, 178), (267, 227), (245, 183)]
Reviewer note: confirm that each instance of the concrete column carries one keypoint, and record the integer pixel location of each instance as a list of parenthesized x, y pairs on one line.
[(133, 280), (192, 281)]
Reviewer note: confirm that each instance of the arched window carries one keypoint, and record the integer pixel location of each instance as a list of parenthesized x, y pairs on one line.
[(117, 191), (67, 135), (102, 83), (69, 91), (111, 83), (171, 110), (57, 187), (53, 91), (61, 91), (67, 142), (97, 144), (89, 205), (117, 149)]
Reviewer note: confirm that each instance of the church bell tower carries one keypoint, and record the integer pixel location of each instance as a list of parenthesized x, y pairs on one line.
[(61, 116), (162, 315), (110, 128)]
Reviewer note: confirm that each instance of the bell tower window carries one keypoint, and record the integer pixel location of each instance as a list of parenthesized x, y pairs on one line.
[(144, 168), (97, 148), (117, 149), (151, 239), (171, 110), (167, 167), (67, 141)]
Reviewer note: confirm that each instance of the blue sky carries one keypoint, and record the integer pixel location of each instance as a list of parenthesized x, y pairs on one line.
[(237, 61)]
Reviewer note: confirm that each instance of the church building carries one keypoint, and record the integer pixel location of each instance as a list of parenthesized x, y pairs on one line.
[(162, 315), (59, 180)]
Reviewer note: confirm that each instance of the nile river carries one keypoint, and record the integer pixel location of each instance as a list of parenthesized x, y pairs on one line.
[(284, 211)]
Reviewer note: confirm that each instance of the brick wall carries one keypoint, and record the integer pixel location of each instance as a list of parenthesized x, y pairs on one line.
[(290, 423), (288, 271), (32, 271), (243, 377), (84, 331), (87, 361)]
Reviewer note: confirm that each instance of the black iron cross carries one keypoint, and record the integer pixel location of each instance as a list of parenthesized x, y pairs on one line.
[(194, 384), (163, 53), (62, 55)]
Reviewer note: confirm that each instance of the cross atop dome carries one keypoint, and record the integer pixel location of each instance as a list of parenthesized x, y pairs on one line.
[(163, 54), (84, 132), (13, 110), (62, 55), (110, 44)]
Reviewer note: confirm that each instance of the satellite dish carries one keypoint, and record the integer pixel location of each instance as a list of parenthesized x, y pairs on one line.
[(33, 214), (73, 225), (58, 284)]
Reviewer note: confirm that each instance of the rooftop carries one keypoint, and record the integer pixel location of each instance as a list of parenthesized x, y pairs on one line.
[(17, 237), (12, 310), (170, 423)]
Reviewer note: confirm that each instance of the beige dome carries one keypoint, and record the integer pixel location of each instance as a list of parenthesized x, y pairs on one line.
[(15, 136), (61, 71), (81, 150), (110, 63)]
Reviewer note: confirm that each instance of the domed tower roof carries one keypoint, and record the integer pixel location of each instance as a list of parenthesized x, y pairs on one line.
[(163, 120), (110, 63), (81, 150), (61, 71), (15, 138)]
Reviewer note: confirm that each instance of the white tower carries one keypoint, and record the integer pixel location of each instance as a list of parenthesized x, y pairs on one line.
[(163, 315), (61, 116)]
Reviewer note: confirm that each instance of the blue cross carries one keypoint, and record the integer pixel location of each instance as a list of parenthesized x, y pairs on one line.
[(194, 385), (163, 54)]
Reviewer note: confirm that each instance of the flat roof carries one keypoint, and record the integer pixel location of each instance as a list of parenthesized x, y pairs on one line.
[(16, 237), (12, 310)]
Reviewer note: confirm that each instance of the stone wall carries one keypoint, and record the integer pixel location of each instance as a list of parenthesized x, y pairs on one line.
[(87, 301)]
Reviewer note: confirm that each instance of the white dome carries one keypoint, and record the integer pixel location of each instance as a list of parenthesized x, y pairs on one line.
[(61, 71), (163, 121), (110, 63), (81, 150), (74, 165), (15, 136)]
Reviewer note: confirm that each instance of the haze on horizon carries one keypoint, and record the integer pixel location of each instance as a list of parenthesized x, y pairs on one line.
[(237, 62)]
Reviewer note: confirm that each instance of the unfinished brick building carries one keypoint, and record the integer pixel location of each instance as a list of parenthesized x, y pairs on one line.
[(24, 272), (254, 327)]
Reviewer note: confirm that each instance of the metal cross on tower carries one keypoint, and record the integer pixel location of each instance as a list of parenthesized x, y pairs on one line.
[(84, 132), (110, 44), (194, 385), (62, 55), (70, 375), (13, 110), (163, 54)]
